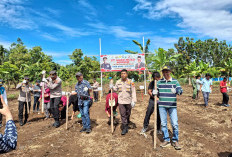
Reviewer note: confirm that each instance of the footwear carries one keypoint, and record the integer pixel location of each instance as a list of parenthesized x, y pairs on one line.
[(25, 121), (227, 105), (144, 129), (83, 130), (88, 131), (56, 124), (165, 144), (21, 123), (159, 132), (176, 145), (125, 130), (109, 121)]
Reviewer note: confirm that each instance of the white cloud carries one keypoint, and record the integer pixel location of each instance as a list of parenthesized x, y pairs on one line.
[(117, 31), (208, 18), (87, 7), (5, 44), (49, 37)]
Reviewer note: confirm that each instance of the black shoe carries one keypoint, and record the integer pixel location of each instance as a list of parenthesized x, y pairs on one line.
[(83, 130), (109, 122), (56, 124), (25, 121), (125, 130), (21, 123), (88, 131)]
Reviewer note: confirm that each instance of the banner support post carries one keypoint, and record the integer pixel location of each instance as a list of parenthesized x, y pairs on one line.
[(100, 69), (145, 88)]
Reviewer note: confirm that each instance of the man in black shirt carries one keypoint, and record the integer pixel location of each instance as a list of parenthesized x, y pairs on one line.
[(150, 108)]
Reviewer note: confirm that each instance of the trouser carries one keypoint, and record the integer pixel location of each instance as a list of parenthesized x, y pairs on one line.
[(198, 94), (84, 110), (47, 109), (172, 111), (95, 93), (225, 98), (150, 110), (206, 97), (125, 111), (36, 103), (54, 105), (21, 107), (194, 93)]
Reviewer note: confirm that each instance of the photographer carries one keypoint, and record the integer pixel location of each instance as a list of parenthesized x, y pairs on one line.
[(8, 141)]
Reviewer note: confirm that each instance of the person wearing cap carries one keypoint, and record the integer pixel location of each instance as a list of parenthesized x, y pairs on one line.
[(36, 91), (95, 90), (223, 87), (105, 65), (126, 98), (206, 88), (167, 89), (140, 64), (82, 90), (24, 96), (4, 96), (54, 84)]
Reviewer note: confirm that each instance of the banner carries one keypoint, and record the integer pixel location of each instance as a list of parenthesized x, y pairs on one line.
[(130, 62)]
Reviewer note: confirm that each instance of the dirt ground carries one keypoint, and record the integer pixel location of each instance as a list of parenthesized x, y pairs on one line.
[(202, 132)]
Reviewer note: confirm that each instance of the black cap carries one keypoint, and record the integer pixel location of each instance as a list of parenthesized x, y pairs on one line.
[(166, 68), (139, 57), (78, 74), (52, 72), (104, 58)]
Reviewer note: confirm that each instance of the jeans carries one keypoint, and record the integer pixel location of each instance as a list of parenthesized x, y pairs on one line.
[(95, 93), (172, 111), (36, 102), (84, 110), (54, 104), (150, 110), (47, 109), (225, 98), (206, 97), (21, 106)]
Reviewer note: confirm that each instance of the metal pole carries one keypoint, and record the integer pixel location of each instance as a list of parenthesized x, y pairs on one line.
[(145, 86), (100, 68)]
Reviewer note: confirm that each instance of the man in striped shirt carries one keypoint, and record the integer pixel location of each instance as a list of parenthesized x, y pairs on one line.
[(167, 89)]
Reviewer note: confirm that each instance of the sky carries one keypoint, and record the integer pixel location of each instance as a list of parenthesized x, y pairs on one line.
[(61, 26)]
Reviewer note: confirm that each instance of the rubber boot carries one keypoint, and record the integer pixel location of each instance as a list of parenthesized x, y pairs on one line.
[(125, 129)]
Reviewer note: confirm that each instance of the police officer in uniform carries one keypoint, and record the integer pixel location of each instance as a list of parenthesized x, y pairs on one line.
[(105, 65), (25, 90), (82, 90), (126, 98)]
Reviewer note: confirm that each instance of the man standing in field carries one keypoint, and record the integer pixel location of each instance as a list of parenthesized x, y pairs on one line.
[(150, 107), (95, 90), (223, 87), (54, 84), (24, 97), (168, 88), (198, 83), (36, 90), (126, 98), (82, 90), (206, 88)]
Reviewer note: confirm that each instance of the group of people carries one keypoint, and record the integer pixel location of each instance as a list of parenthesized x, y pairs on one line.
[(205, 85), (123, 93)]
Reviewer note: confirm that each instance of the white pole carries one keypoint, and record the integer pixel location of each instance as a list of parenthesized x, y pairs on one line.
[(100, 67), (145, 86)]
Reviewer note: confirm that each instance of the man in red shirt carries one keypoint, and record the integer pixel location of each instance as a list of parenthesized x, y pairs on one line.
[(108, 107), (223, 87)]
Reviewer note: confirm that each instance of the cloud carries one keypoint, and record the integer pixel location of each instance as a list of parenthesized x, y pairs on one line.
[(49, 37), (212, 19), (162, 42), (5, 44), (87, 7), (117, 31)]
